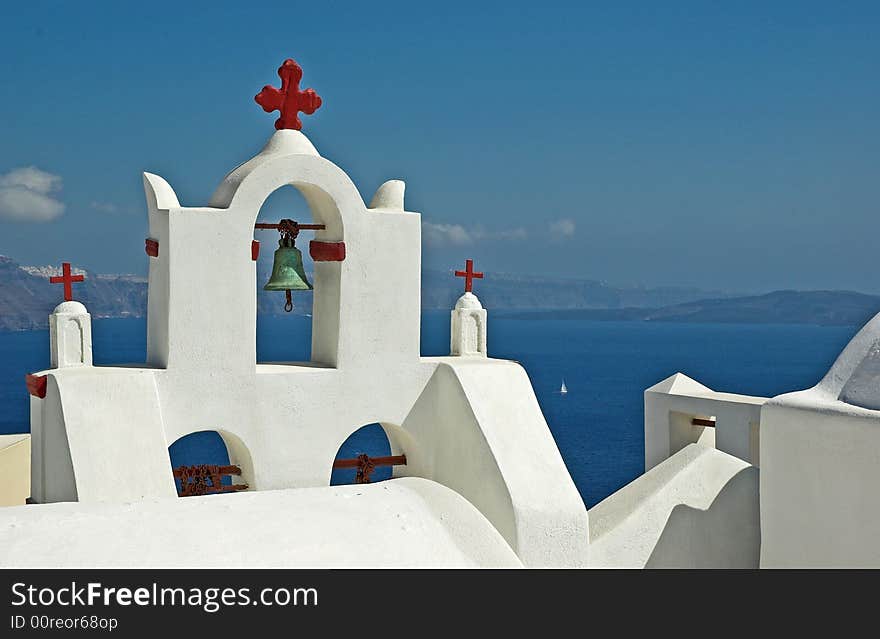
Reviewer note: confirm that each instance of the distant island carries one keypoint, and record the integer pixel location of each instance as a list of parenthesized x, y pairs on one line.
[(26, 299), (823, 308)]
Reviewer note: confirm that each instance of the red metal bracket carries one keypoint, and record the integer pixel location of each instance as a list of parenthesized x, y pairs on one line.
[(327, 251), (151, 247), (36, 385), (255, 250), (365, 465), (205, 479)]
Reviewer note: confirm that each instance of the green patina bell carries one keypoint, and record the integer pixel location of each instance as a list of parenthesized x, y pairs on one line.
[(288, 273)]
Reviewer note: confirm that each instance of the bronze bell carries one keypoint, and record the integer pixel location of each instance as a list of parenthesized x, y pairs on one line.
[(288, 273)]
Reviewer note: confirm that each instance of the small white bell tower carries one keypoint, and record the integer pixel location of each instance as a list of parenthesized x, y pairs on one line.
[(70, 325), (70, 335), (468, 327), (468, 334)]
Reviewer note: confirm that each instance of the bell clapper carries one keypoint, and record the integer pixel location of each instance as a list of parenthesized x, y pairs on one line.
[(289, 305)]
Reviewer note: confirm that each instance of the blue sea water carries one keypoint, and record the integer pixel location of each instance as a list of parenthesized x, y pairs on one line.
[(598, 425)]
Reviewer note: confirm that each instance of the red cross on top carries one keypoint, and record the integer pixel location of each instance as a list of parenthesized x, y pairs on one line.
[(67, 279), (288, 99), (469, 275)]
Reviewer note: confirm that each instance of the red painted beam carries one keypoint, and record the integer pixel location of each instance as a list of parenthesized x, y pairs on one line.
[(36, 385), (327, 251), (151, 247), (255, 250)]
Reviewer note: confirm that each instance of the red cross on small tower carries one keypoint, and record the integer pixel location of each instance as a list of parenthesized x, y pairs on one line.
[(67, 279), (469, 275), (288, 99)]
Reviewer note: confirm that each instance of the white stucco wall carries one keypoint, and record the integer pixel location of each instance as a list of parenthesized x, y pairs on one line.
[(401, 523), (472, 424), (670, 406), (697, 509), (819, 501), (478, 429), (820, 453), (15, 469)]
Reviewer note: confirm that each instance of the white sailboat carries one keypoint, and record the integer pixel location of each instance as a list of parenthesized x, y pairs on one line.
[(563, 390)]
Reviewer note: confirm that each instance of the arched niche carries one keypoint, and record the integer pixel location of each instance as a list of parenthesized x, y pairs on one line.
[(281, 336), (213, 447), (376, 440), (290, 160)]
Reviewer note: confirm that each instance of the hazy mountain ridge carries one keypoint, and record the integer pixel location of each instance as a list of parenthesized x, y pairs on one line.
[(26, 299), (505, 291), (824, 308)]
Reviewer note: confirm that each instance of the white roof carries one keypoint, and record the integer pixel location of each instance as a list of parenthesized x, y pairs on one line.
[(397, 523)]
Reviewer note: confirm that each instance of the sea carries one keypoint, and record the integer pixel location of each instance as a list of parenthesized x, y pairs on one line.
[(606, 366)]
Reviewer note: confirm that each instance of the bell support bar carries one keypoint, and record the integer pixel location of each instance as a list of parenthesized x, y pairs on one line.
[(284, 224), (320, 251)]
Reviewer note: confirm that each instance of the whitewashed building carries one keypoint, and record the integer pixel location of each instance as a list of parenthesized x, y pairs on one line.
[(730, 481)]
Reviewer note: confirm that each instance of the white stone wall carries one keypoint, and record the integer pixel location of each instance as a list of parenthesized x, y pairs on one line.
[(407, 523), (671, 405), (697, 509), (820, 452), (102, 434)]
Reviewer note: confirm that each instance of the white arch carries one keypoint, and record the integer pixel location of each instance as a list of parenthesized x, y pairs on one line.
[(331, 195), (238, 452), (400, 441)]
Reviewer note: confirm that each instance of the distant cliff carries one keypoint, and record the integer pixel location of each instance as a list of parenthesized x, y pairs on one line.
[(508, 291), (824, 308), (27, 298)]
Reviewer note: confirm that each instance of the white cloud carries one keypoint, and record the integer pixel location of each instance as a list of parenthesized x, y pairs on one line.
[(562, 228), (458, 235), (510, 234), (446, 234), (104, 207), (27, 195)]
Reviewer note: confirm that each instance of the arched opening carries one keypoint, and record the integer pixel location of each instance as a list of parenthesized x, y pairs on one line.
[(373, 441), (209, 462), (282, 336)]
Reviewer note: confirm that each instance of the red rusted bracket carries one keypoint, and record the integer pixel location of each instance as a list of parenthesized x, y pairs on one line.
[(194, 479), (255, 250), (327, 251), (151, 247), (36, 385), (366, 465), (290, 229)]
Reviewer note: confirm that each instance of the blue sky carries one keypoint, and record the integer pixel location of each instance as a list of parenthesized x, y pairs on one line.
[(721, 145)]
